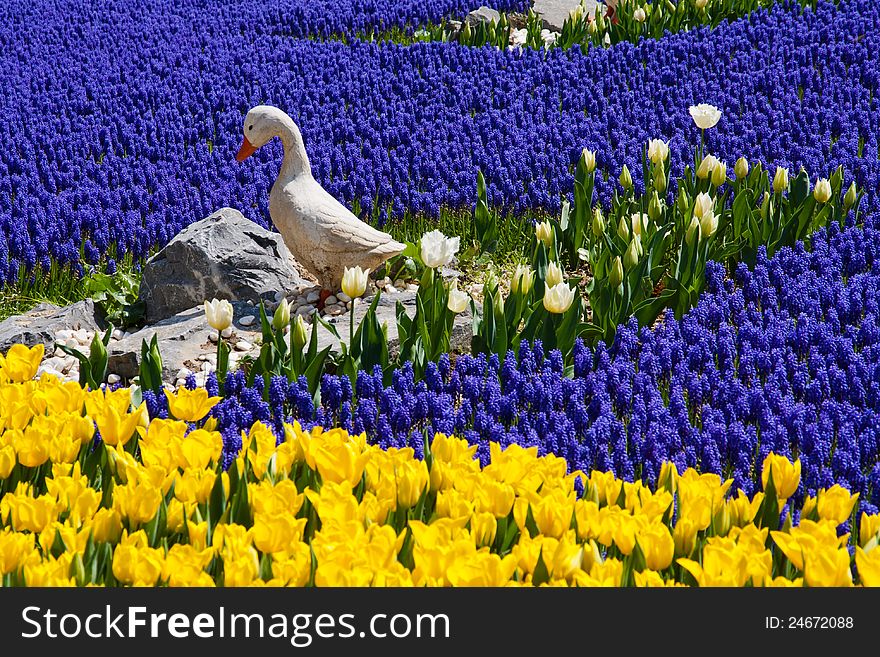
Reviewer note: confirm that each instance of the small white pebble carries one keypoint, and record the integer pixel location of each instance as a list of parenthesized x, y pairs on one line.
[(243, 345), (82, 336), (227, 332), (182, 373), (412, 287), (342, 296), (117, 334), (212, 337), (73, 343), (250, 302), (113, 379), (390, 289), (63, 334), (180, 382), (247, 320), (208, 367), (279, 296), (334, 311), (126, 334)]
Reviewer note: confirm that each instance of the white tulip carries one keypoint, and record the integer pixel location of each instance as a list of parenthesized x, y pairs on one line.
[(558, 298), (544, 233), (822, 192), (638, 220), (590, 160), (658, 150), (780, 180), (707, 166), (354, 281), (708, 225), (639, 15), (437, 249), (281, 318), (705, 115), (523, 279), (458, 300), (218, 314), (554, 275), (704, 205), (701, 4)]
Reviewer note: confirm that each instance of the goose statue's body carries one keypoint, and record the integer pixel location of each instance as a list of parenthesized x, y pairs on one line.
[(320, 232)]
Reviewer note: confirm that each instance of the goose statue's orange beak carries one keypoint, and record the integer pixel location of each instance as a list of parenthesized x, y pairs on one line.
[(247, 149)]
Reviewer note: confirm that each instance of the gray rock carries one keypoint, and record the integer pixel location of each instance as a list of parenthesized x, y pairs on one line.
[(40, 324), (482, 15), (223, 256), (554, 12)]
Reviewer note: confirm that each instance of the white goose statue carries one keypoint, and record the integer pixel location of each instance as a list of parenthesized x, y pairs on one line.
[(320, 232)]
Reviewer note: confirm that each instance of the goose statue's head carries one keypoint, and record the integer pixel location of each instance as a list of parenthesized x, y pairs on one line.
[(261, 124)]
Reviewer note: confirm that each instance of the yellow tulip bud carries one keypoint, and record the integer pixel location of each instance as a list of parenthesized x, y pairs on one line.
[(281, 318), (822, 192), (685, 537), (849, 198), (741, 169), (655, 207), (300, 333), (631, 257), (719, 174), (615, 276), (869, 527), (709, 225), (523, 280), (598, 223), (660, 177), (625, 179)]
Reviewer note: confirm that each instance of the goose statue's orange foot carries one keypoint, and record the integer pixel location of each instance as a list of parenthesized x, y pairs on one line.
[(321, 233)]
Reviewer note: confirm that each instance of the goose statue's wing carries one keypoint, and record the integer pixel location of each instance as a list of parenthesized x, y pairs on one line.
[(343, 231)]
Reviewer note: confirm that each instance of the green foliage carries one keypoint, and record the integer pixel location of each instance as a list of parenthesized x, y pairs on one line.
[(92, 368), (116, 296)]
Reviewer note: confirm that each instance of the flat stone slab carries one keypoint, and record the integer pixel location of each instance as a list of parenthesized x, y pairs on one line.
[(39, 326), (185, 339)]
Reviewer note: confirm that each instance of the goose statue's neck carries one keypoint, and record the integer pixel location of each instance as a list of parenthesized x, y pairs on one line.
[(296, 161)]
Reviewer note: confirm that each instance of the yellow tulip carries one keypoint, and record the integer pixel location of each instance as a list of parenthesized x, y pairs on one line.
[(117, 428), (836, 504), (277, 499), (786, 475), (106, 526), (868, 564), (30, 514), (553, 512), (483, 528), (200, 448), (190, 405), (827, 566), (684, 535), (482, 569), (137, 502), (32, 446), (453, 504), (657, 546), (7, 461), (339, 459), (259, 445), (14, 548), (184, 566), (20, 363), (135, 563), (869, 526), (412, 479), (293, 568)]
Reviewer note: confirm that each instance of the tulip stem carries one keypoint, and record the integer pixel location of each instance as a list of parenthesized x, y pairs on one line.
[(351, 324)]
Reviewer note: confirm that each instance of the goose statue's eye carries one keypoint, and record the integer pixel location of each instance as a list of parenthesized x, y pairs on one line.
[(251, 126)]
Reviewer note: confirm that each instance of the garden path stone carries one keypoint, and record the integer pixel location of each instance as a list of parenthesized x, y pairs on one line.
[(40, 324), (554, 12), (483, 14), (223, 256)]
